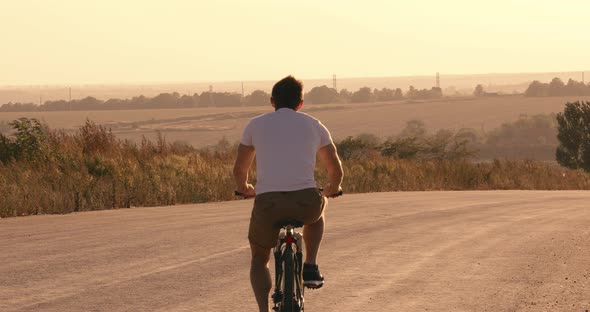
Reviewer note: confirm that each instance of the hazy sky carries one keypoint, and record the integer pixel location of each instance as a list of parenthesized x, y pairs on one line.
[(111, 41)]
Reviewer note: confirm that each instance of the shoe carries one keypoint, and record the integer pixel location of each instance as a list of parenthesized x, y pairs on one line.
[(312, 277)]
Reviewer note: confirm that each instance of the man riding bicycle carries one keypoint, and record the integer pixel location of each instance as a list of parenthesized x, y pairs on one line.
[(285, 143)]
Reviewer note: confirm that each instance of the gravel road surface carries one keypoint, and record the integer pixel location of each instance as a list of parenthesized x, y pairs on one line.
[(422, 251)]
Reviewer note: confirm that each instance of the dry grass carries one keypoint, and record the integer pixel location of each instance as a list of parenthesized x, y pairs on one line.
[(387, 175), (92, 169)]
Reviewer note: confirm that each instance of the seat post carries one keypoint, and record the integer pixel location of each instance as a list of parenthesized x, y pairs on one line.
[(289, 230)]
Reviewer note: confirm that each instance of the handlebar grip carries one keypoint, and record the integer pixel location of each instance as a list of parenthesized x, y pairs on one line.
[(244, 196), (340, 193)]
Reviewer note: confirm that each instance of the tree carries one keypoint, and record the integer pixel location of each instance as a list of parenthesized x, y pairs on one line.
[(411, 92), (363, 95), (344, 96), (478, 90), (537, 88), (164, 100), (556, 87), (435, 92), (322, 95), (30, 139), (385, 94), (257, 98), (187, 101), (575, 88), (414, 93), (574, 136)]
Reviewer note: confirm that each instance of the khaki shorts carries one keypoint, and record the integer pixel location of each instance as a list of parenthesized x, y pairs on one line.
[(305, 205)]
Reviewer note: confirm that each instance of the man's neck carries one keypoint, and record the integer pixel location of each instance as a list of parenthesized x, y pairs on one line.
[(276, 109)]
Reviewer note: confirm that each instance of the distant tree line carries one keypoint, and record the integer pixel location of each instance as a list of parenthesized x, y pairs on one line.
[(162, 100), (557, 88), (326, 95), (317, 95)]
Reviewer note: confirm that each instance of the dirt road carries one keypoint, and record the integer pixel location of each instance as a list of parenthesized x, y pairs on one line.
[(433, 251)]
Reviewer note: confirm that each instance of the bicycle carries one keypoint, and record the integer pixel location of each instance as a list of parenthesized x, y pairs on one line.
[(288, 254), (288, 293)]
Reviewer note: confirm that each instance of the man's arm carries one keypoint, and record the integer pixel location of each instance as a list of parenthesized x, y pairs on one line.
[(241, 167), (329, 158)]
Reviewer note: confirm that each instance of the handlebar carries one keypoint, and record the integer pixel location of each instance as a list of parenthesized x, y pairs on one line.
[(340, 193), (236, 193)]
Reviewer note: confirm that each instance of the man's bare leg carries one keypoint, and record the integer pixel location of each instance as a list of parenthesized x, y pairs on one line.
[(260, 275), (312, 236)]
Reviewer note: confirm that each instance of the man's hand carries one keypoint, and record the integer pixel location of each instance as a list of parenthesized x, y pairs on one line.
[(247, 190), (242, 165), (329, 158), (331, 191)]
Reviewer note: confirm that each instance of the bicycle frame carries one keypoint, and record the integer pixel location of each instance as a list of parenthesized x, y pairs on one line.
[(288, 293)]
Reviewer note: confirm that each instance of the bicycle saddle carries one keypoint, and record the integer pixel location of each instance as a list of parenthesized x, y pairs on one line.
[(291, 222)]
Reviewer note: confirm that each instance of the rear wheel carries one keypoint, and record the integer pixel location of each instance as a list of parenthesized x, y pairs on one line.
[(290, 302), (299, 279)]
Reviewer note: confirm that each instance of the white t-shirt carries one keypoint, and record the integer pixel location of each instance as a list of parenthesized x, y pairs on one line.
[(286, 144)]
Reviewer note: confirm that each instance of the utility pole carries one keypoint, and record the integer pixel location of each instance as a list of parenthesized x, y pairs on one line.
[(334, 82), (583, 78), (242, 99), (211, 103), (438, 80)]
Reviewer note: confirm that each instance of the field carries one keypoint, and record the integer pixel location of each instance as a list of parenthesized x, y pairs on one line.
[(205, 126)]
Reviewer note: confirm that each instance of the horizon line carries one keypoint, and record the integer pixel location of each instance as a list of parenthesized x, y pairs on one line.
[(329, 77)]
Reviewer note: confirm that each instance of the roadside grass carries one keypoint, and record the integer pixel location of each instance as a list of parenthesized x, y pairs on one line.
[(44, 171)]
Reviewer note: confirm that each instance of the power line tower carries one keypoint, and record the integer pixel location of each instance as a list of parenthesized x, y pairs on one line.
[(211, 101), (242, 98), (438, 80), (334, 82)]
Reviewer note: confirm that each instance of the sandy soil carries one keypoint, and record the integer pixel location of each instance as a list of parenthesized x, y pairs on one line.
[(442, 251)]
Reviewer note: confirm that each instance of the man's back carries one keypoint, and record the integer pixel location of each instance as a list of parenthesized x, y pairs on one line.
[(286, 144)]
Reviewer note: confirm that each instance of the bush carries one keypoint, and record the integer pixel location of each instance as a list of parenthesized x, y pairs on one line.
[(574, 136)]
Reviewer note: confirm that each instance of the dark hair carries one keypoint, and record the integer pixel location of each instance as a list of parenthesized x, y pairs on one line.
[(287, 93)]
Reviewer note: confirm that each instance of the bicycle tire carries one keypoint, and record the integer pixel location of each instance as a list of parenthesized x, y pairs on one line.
[(289, 299), (299, 288)]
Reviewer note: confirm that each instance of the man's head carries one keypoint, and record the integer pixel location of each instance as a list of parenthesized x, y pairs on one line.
[(287, 93)]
